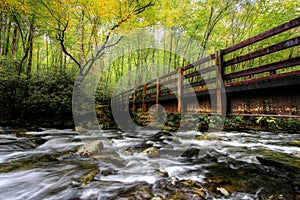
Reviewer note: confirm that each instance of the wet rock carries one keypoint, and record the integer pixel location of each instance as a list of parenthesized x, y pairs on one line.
[(294, 143), (108, 172), (223, 191), (89, 177), (190, 153), (277, 197), (277, 164), (156, 198), (80, 129), (208, 136), (283, 158), (139, 147), (23, 134), (174, 180), (170, 128), (296, 154), (127, 152), (143, 193), (162, 173), (151, 152), (37, 140), (92, 148), (169, 189)]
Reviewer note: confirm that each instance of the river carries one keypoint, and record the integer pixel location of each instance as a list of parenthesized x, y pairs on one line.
[(37, 164)]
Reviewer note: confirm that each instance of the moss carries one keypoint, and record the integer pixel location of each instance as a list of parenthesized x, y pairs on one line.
[(295, 143), (262, 123), (202, 122)]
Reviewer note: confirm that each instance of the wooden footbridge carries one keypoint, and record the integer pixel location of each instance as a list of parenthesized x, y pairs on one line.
[(237, 83)]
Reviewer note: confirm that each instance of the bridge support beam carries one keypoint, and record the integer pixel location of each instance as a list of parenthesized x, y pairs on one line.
[(144, 106), (220, 76), (180, 87), (157, 94), (134, 106)]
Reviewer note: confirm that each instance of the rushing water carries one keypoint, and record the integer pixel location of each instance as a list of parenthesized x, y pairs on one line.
[(32, 165)]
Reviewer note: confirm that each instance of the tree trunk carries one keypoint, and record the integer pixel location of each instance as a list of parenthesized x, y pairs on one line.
[(2, 33), (82, 40), (30, 46), (6, 47), (29, 65), (14, 46), (38, 59), (47, 52)]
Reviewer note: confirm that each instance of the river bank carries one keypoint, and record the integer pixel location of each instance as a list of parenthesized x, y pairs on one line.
[(203, 122), (196, 122)]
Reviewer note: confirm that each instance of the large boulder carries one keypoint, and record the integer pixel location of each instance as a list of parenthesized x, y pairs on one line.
[(90, 149)]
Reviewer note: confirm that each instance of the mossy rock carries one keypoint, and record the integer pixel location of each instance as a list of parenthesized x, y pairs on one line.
[(295, 143), (89, 177), (151, 152)]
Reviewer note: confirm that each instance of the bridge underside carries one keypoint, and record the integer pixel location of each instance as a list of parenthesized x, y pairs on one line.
[(280, 97)]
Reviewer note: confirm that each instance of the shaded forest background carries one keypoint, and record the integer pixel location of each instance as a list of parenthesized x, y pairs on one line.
[(44, 43)]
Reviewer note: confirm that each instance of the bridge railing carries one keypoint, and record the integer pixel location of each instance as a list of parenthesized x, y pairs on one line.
[(263, 71), (202, 74)]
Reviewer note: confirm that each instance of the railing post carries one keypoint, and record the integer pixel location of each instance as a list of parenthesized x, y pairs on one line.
[(144, 106), (179, 87), (272, 72), (157, 94), (220, 75), (134, 107)]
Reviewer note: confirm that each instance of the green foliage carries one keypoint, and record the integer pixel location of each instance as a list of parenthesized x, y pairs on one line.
[(46, 95), (291, 125)]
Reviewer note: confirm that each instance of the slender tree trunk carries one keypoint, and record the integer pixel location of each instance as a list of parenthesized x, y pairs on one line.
[(61, 60), (65, 62), (47, 53), (2, 33), (82, 40), (6, 47), (29, 65), (14, 46), (30, 43), (38, 58)]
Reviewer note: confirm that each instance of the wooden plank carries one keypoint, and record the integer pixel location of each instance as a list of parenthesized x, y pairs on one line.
[(199, 62), (157, 94), (200, 72), (219, 80), (273, 77), (265, 51), (203, 82), (263, 115), (168, 75), (169, 81), (144, 105), (134, 103), (272, 66), (179, 91), (274, 31)]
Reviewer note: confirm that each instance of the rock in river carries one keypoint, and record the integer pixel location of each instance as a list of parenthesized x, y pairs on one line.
[(151, 152)]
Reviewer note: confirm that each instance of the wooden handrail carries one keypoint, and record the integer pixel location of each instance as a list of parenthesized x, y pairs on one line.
[(265, 51), (274, 31), (273, 66)]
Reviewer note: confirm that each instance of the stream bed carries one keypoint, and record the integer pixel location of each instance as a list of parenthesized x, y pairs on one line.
[(148, 165)]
